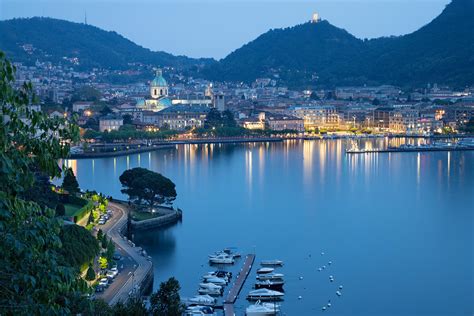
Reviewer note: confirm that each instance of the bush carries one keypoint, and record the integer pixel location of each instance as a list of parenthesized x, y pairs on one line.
[(90, 275), (78, 245)]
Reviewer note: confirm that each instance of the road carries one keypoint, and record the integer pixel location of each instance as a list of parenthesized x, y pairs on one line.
[(132, 267)]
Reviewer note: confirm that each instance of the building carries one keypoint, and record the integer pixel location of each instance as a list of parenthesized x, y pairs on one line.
[(158, 95), (404, 120), (279, 122), (381, 117), (181, 117), (317, 116), (81, 106), (110, 123)]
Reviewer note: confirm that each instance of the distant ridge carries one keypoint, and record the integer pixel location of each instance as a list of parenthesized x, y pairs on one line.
[(314, 54), (53, 39)]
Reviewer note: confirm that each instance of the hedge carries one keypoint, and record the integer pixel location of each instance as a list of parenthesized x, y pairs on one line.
[(83, 211)]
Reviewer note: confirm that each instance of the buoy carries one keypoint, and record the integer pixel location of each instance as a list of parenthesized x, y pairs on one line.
[(324, 267), (300, 297), (338, 293), (322, 253), (331, 280), (329, 304), (301, 278), (324, 308), (320, 269), (329, 262), (340, 287), (331, 277)]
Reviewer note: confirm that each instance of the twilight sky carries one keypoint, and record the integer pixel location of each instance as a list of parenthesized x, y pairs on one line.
[(214, 28)]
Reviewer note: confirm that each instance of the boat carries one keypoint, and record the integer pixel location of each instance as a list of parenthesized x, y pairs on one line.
[(199, 310), (220, 274), (265, 270), (211, 286), (262, 309), (212, 276), (270, 284), (217, 281), (203, 300), (213, 292), (265, 295), (270, 276), (221, 259), (271, 263)]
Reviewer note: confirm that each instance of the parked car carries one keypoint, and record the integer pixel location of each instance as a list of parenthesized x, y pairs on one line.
[(104, 282), (112, 273), (99, 288), (101, 222), (117, 256)]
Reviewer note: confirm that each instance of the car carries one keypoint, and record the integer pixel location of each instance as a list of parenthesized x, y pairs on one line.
[(101, 222), (99, 288), (117, 256), (114, 270), (112, 273), (104, 282)]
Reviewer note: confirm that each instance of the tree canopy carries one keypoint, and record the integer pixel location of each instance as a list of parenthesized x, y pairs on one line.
[(33, 279), (141, 184), (166, 301)]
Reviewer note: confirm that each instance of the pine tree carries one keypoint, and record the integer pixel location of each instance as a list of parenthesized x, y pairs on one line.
[(70, 182), (90, 275)]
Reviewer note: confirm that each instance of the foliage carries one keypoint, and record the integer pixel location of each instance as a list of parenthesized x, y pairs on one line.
[(70, 182), (133, 307), (166, 301), (469, 127), (142, 184), (53, 39), (320, 54), (109, 253), (60, 210), (90, 274), (103, 263), (33, 279), (79, 246), (100, 234)]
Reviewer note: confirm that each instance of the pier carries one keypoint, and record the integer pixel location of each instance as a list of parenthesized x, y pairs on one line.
[(237, 286), (407, 150)]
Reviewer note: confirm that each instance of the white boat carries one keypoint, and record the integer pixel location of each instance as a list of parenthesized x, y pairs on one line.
[(218, 281), (213, 292), (262, 309), (270, 276), (203, 300), (265, 270), (220, 274), (212, 276), (265, 295), (210, 286), (274, 262), (199, 310), (268, 284), (222, 259)]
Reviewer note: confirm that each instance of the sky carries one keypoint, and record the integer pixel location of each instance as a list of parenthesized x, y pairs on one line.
[(215, 28)]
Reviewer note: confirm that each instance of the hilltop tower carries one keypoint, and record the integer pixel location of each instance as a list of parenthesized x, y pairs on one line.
[(315, 18)]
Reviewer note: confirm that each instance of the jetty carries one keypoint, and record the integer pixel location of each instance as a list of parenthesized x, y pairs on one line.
[(237, 286), (407, 150)]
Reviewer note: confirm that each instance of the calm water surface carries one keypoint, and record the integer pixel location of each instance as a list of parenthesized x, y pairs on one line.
[(397, 227)]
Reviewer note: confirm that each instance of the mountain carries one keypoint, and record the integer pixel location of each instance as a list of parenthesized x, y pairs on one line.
[(53, 39), (314, 54)]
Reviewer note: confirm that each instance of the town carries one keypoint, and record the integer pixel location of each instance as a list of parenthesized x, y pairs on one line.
[(168, 100)]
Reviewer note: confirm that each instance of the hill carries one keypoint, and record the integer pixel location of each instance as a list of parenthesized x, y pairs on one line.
[(47, 39), (314, 54)]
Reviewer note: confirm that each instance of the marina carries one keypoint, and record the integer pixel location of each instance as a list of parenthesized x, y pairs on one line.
[(237, 286)]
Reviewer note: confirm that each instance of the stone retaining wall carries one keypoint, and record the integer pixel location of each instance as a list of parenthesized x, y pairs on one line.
[(158, 221)]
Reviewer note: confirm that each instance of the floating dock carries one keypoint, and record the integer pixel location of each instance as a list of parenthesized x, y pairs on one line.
[(237, 286), (407, 150)]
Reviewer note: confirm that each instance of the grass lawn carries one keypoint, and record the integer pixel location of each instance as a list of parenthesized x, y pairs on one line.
[(71, 209)]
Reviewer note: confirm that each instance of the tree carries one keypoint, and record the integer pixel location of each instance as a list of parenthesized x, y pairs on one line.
[(100, 234), (127, 119), (133, 307), (91, 217), (70, 182), (90, 274), (78, 245), (103, 263), (104, 242), (213, 119), (142, 184), (33, 279), (166, 301), (60, 210)]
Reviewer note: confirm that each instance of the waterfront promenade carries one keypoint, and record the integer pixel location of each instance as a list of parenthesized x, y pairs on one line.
[(135, 267)]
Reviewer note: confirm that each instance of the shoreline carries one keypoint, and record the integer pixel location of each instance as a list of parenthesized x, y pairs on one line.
[(240, 140)]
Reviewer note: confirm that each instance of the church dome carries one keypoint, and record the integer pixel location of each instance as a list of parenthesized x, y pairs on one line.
[(159, 81)]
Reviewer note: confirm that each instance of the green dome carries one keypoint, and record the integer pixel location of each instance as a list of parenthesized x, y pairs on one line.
[(159, 81)]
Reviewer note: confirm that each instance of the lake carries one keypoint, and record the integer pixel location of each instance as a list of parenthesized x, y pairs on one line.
[(397, 227)]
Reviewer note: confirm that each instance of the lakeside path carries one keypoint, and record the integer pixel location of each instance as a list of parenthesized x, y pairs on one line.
[(133, 267)]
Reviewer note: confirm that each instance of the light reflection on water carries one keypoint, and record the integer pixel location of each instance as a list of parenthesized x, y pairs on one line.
[(398, 226)]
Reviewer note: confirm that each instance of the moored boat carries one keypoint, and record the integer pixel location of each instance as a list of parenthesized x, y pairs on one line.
[(274, 262), (265, 270), (270, 276), (203, 300), (265, 295), (221, 259), (270, 284), (262, 309)]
